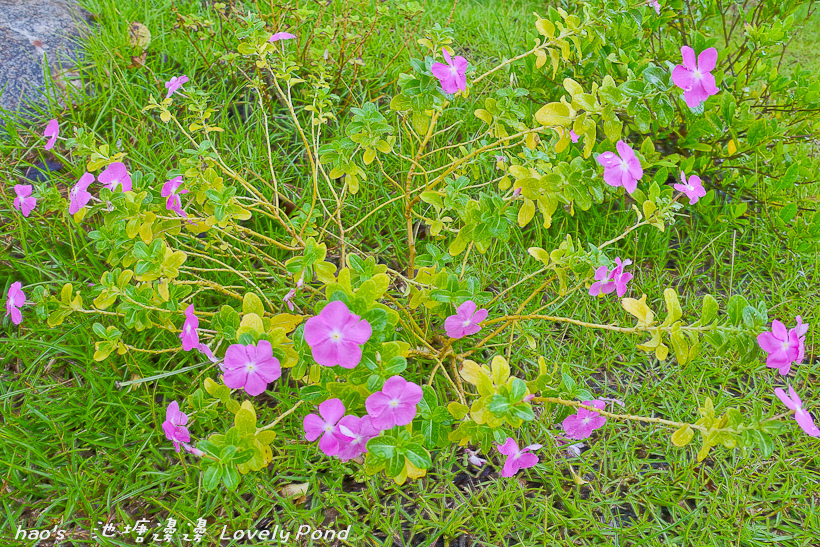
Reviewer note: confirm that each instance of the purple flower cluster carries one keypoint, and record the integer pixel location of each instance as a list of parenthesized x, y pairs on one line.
[(346, 436)]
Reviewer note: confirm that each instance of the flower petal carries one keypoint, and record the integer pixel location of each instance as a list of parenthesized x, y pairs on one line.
[(785, 399), (688, 55), (779, 331), (707, 82), (332, 410), (255, 384), (707, 60), (683, 77), (509, 448), (314, 427), (329, 444), (806, 423), (608, 159), (376, 404)]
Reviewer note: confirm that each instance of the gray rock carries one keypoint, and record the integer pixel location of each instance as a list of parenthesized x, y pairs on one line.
[(30, 32)]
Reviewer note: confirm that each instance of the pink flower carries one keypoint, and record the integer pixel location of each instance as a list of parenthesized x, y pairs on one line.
[(693, 188), (573, 136), (14, 299), (24, 202), (114, 175), (782, 346), (288, 297), (79, 196), (174, 425), (171, 191), (656, 5), (206, 351), (251, 367), (517, 459), (800, 330), (324, 425), (581, 425), (804, 419), (616, 280), (174, 84), (466, 320), (189, 335), (452, 75), (281, 36), (352, 435), (695, 77), (395, 404), (193, 450), (472, 457), (52, 131), (621, 169), (336, 336)]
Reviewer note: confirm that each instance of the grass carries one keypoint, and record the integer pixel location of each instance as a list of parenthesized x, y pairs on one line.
[(76, 450)]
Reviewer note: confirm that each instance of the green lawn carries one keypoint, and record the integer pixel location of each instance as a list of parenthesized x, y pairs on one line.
[(76, 450)]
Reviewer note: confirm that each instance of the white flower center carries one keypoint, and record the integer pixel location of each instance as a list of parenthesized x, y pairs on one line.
[(394, 403), (624, 166), (786, 345), (329, 428), (585, 421), (517, 456), (335, 335), (698, 75), (465, 323)]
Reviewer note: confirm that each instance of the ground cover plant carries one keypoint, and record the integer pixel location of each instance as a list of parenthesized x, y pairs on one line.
[(446, 273)]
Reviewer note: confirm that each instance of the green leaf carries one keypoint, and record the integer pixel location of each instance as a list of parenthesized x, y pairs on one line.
[(672, 306), (428, 402), (682, 436), (499, 405), (383, 447), (756, 132), (553, 114), (401, 103), (252, 304), (522, 411), (728, 105), (377, 318), (99, 330), (212, 476), (519, 390), (611, 95), (231, 478), (245, 422), (765, 443), (655, 76), (421, 122), (679, 344), (266, 437), (418, 456), (709, 310), (788, 212), (569, 383), (458, 410), (735, 308)]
